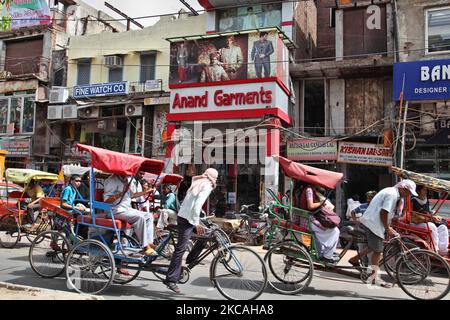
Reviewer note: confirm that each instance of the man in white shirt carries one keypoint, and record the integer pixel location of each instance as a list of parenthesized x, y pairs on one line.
[(376, 223), (119, 195), (188, 221)]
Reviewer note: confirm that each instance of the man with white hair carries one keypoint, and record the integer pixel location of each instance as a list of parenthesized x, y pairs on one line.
[(376, 223)]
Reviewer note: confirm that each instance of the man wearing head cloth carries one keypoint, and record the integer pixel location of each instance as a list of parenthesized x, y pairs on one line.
[(376, 223), (189, 220)]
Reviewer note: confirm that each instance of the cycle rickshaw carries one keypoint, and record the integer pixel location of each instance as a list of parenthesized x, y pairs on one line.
[(422, 274), (421, 236), (13, 220), (90, 265)]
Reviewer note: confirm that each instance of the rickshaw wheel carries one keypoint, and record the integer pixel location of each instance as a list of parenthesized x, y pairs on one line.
[(242, 276), (423, 275), (133, 273), (278, 235), (291, 267), (391, 254), (48, 253), (90, 267), (185, 274), (9, 231)]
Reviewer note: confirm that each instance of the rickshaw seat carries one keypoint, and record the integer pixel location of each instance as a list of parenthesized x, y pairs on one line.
[(16, 195), (403, 225), (105, 222), (288, 224)]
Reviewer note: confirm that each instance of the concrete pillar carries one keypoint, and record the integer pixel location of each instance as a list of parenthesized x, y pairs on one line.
[(339, 34), (337, 106), (271, 167), (169, 159)]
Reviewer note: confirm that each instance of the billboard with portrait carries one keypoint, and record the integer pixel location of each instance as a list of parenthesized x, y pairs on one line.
[(249, 17), (225, 58)]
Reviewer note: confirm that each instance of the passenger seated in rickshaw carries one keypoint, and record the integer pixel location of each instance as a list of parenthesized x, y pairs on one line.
[(70, 194), (439, 230), (168, 213), (327, 238), (35, 193), (118, 193), (356, 213)]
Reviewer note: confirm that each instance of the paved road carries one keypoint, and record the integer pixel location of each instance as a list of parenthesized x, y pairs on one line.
[(15, 268)]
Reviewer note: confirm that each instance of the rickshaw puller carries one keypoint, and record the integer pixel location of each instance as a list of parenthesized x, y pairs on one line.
[(376, 223), (35, 192)]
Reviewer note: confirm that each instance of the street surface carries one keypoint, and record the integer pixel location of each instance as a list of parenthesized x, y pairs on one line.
[(15, 269)]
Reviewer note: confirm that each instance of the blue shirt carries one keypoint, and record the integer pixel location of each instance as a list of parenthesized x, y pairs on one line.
[(69, 195), (359, 211), (170, 202)]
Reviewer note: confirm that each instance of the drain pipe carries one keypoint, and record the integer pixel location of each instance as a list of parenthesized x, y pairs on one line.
[(396, 38)]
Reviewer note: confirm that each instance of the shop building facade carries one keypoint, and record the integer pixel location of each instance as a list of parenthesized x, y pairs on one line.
[(231, 97), (32, 60), (343, 84), (424, 60), (117, 94)]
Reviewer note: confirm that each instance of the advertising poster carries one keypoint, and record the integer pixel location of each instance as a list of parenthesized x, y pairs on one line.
[(250, 17), (27, 13), (233, 57)]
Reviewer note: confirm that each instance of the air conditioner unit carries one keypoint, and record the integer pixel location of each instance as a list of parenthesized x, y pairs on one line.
[(58, 95), (90, 112), (113, 61), (133, 110), (70, 111), (54, 112)]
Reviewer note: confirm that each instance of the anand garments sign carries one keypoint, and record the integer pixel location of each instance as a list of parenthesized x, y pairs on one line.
[(246, 96), (423, 80)]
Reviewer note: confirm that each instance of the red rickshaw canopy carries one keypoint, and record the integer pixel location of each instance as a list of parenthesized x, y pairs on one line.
[(174, 179), (314, 176), (121, 163)]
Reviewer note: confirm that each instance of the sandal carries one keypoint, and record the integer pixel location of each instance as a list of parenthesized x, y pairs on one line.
[(382, 283), (355, 263)]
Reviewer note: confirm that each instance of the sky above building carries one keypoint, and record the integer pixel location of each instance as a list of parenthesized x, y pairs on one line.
[(141, 8)]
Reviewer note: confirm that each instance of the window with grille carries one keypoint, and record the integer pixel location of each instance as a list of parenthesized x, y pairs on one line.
[(148, 66), (84, 71), (115, 74)]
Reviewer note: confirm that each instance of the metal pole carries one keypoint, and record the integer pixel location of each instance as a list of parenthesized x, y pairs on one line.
[(403, 135)]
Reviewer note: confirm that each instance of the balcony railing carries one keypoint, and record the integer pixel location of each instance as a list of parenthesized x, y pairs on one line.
[(59, 19), (20, 66)]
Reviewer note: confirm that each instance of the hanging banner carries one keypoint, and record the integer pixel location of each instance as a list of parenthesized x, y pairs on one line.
[(364, 153), (27, 13), (312, 149)]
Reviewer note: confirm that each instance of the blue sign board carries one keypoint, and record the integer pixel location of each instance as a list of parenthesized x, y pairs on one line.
[(424, 80), (100, 89)]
